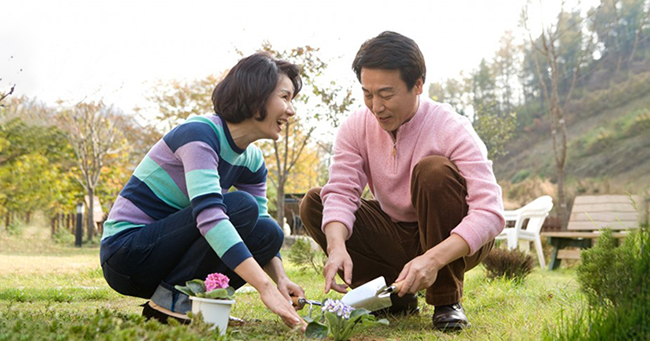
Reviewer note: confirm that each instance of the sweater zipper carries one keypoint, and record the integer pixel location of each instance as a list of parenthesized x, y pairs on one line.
[(394, 155)]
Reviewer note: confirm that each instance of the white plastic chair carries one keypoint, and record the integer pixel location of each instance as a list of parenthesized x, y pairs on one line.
[(535, 212)]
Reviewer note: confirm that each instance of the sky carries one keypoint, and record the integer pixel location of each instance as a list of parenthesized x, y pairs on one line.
[(116, 51)]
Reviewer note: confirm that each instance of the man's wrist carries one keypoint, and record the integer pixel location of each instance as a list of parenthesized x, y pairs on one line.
[(336, 234)]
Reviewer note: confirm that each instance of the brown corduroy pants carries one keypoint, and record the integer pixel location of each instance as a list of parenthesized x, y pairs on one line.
[(381, 247)]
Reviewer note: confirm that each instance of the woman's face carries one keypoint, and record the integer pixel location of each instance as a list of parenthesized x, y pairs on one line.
[(278, 109)]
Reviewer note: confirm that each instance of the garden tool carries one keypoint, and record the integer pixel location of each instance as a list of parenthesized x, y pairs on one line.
[(300, 302), (374, 295)]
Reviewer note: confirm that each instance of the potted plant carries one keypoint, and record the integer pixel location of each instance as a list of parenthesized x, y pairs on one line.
[(211, 298), (338, 320)]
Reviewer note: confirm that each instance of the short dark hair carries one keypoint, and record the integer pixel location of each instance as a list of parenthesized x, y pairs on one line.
[(391, 51), (248, 85)]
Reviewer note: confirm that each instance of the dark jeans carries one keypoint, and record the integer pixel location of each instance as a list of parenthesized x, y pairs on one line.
[(381, 247), (171, 251)]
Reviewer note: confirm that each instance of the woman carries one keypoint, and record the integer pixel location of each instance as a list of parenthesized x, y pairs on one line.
[(175, 220)]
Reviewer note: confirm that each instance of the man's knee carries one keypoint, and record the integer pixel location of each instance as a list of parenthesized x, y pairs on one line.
[(310, 202), (432, 171)]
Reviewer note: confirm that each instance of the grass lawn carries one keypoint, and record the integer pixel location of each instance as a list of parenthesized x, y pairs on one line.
[(57, 292)]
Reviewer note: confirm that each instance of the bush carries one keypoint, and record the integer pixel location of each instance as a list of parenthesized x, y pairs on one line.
[(615, 279), (302, 255), (509, 264), (63, 237), (605, 273)]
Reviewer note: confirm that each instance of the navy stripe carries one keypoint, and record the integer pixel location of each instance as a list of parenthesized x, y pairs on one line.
[(226, 131), (235, 255), (229, 173), (207, 200), (190, 132), (143, 198)]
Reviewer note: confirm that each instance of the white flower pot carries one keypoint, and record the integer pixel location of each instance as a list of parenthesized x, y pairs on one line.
[(216, 311)]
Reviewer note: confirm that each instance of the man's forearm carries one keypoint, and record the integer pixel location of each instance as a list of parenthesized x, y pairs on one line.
[(447, 251), (336, 234)]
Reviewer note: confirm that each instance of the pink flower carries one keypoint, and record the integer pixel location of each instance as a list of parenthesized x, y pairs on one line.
[(216, 281)]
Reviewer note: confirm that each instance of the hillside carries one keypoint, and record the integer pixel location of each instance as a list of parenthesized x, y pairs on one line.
[(608, 137)]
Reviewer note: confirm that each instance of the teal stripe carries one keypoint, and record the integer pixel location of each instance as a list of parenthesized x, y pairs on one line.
[(251, 158), (112, 227), (262, 204), (222, 237), (161, 184), (202, 181)]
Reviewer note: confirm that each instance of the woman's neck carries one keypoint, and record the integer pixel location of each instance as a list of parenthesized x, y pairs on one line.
[(242, 133)]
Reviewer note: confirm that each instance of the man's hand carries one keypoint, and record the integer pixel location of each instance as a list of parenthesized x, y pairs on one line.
[(338, 259), (418, 274), (422, 271)]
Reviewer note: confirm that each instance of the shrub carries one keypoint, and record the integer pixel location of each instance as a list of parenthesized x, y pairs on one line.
[(510, 264), (302, 255), (605, 274), (616, 281), (63, 237)]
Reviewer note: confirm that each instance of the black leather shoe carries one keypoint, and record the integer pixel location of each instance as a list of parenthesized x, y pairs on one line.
[(450, 317), (149, 312), (405, 305)]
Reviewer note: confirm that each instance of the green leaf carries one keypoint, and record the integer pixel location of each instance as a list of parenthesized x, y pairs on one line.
[(218, 294), (186, 290), (316, 330), (356, 313), (196, 285)]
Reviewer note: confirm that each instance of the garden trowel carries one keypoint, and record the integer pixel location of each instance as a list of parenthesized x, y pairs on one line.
[(374, 295)]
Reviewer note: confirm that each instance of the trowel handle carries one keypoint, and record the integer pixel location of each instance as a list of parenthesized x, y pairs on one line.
[(298, 302)]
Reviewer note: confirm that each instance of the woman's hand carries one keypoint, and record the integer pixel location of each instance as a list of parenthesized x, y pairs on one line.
[(282, 306), (272, 298), (288, 288)]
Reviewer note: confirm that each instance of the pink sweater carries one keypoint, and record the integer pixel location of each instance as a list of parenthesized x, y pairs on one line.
[(363, 154)]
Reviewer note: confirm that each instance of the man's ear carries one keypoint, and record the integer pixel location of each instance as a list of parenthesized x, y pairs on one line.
[(419, 86)]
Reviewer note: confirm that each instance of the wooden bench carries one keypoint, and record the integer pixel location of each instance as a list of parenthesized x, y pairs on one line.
[(589, 215)]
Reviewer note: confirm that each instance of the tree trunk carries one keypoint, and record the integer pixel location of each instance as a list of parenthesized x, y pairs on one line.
[(90, 221), (53, 222), (28, 217), (8, 220), (279, 216)]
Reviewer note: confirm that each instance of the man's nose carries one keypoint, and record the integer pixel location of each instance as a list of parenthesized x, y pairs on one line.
[(377, 105)]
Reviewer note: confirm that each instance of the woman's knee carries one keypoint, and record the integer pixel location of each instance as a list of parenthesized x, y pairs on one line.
[(271, 233)]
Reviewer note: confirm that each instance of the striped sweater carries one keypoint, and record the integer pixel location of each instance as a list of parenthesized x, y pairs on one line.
[(193, 165)]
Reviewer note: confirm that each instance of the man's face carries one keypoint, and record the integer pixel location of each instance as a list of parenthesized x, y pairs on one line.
[(387, 96)]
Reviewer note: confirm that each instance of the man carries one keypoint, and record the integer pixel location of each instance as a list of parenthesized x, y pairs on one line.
[(437, 206)]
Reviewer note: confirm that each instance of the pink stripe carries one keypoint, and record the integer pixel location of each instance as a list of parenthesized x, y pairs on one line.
[(209, 218), (124, 210), (198, 155)]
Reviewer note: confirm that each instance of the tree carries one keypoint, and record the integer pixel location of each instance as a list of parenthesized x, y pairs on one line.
[(621, 29), (33, 159), (92, 131), (315, 104), (552, 45), (178, 100)]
